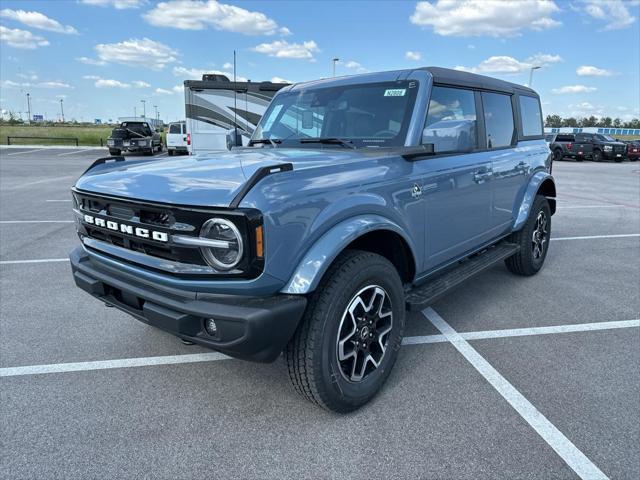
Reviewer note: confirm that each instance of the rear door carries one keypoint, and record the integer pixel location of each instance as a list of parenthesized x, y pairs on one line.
[(509, 164), (583, 145)]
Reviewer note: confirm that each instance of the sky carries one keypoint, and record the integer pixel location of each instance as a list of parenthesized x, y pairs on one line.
[(103, 57)]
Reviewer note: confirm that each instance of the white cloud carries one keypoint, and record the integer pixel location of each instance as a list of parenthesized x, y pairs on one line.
[(138, 53), (228, 66), (280, 80), (492, 18), (37, 20), (110, 83), (415, 56), (162, 91), (48, 84), (352, 65), (591, 71), (16, 38), (52, 85), (573, 89), (178, 89), (614, 13), (509, 65), (196, 73), (118, 4), (284, 49), (199, 14), (91, 61), (30, 76)]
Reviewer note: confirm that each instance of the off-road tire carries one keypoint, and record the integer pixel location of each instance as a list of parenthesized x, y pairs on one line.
[(170, 153), (311, 355), (597, 156), (114, 152), (149, 153), (523, 262)]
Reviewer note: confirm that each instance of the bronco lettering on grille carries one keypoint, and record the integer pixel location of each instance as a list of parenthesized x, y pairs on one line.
[(128, 229)]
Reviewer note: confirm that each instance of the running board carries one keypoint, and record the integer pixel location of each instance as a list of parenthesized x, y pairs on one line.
[(421, 297)]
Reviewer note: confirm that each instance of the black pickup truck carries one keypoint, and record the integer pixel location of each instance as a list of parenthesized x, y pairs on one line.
[(594, 146), (134, 137)]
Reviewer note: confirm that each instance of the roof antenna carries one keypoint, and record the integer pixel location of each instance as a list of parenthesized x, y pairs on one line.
[(235, 105)]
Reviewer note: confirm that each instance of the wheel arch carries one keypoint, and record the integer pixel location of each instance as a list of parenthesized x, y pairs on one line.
[(372, 233), (541, 183)]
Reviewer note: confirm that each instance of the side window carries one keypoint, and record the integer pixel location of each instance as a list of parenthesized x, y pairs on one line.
[(531, 116), (498, 119), (451, 124)]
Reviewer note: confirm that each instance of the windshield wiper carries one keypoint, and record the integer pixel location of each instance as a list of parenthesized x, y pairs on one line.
[(273, 141), (329, 141)]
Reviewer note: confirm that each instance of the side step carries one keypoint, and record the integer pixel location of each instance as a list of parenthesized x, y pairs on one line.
[(421, 297)]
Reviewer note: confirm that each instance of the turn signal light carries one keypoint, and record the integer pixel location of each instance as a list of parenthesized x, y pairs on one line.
[(259, 242)]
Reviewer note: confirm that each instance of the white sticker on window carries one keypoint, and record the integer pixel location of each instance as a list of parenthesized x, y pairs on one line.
[(395, 92)]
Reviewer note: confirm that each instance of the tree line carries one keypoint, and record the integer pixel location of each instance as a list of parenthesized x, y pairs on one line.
[(556, 121)]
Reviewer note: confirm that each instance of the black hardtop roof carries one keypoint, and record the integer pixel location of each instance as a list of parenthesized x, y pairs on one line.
[(473, 80)]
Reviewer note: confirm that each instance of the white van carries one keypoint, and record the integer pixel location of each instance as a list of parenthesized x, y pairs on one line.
[(177, 138)]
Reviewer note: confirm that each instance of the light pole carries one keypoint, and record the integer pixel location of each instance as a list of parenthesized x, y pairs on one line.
[(29, 107), (531, 74), (144, 108), (335, 61), (156, 108), (135, 112), (61, 110)]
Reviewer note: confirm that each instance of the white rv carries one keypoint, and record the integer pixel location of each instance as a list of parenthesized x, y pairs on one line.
[(216, 108)]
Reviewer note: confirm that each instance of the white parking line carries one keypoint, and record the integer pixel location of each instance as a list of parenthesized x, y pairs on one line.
[(37, 182), (570, 207), (108, 364), (40, 260), (72, 153), (57, 200), (35, 221), (594, 237), (524, 332), (28, 151), (571, 455), (214, 356)]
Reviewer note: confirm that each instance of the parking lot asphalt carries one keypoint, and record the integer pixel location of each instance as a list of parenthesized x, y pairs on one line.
[(567, 341)]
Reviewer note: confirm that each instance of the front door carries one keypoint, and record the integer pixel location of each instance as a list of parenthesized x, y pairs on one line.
[(457, 185)]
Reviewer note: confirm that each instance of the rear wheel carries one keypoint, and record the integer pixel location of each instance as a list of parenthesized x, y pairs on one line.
[(113, 151), (557, 154), (149, 152), (533, 239), (350, 335), (170, 153)]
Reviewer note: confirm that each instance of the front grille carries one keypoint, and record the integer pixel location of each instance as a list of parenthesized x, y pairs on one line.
[(172, 220)]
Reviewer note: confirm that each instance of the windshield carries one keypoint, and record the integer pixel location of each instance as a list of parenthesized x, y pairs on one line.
[(549, 138), (607, 138), (365, 115)]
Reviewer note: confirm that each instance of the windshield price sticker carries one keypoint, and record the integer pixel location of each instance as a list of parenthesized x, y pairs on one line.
[(395, 92)]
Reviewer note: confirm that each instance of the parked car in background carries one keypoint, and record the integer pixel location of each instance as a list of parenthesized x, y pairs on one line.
[(134, 136), (564, 146), (600, 147), (633, 149), (355, 199), (177, 138)]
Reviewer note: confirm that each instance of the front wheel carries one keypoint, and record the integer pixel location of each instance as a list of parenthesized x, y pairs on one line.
[(597, 156), (557, 154), (533, 240), (350, 335)]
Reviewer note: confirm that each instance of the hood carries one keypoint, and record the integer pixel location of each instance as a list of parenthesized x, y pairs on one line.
[(212, 179)]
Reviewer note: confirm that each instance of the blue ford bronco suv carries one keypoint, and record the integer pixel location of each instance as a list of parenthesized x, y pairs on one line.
[(357, 199)]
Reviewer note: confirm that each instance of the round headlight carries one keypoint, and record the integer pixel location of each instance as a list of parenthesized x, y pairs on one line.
[(228, 253)]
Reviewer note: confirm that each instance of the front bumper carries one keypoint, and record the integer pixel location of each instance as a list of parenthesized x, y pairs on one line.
[(250, 328), (612, 155)]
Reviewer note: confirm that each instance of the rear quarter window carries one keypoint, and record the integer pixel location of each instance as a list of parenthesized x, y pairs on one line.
[(531, 115)]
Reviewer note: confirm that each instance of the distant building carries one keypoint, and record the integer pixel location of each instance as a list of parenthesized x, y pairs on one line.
[(603, 130)]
